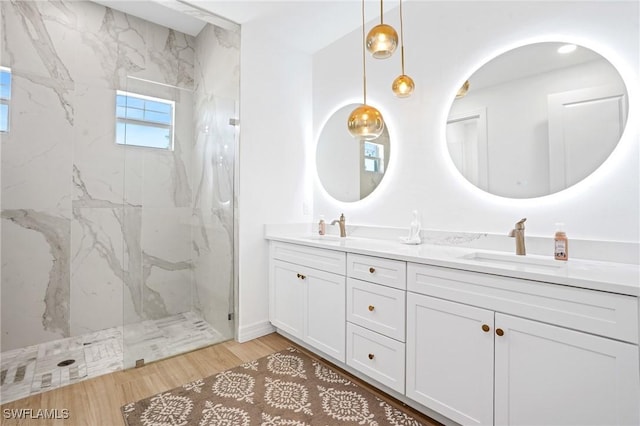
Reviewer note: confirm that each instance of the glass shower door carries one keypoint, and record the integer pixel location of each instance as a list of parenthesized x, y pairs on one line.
[(179, 220)]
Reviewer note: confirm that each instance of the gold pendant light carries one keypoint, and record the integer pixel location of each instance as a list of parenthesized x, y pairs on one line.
[(365, 122), (403, 85), (382, 40)]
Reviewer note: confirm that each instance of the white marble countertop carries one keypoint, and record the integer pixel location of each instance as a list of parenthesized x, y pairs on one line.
[(611, 277)]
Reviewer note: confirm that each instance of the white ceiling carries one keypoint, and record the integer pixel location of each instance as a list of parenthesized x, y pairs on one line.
[(305, 25)]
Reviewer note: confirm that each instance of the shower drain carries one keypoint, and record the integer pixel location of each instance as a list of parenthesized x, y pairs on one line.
[(66, 362)]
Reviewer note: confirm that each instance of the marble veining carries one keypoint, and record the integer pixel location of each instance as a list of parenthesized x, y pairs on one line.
[(85, 199), (33, 22), (227, 39), (63, 89), (56, 231), (175, 61), (181, 189), (120, 45), (456, 239), (147, 302)]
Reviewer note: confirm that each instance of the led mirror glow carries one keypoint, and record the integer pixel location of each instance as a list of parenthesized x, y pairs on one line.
[(534, 122)]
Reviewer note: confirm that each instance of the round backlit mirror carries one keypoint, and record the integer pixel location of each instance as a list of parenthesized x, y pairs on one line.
[(537, 119), (349, 169)]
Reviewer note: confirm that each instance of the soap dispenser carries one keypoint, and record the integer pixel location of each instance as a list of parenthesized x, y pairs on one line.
[(322, 226), (561, 243)]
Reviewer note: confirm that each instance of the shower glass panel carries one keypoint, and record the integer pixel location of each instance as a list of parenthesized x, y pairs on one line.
[(173, 123)]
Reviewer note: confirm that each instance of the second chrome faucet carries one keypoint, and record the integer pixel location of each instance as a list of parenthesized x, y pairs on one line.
[(342, 223), (518, 233)]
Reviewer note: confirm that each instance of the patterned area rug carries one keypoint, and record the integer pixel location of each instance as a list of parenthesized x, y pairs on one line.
[(284, 388)]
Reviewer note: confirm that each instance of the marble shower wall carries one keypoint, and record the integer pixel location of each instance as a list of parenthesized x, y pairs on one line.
[(94, 234)]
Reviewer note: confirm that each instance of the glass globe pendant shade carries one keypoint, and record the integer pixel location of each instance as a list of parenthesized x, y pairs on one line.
[(365, 122), (382, 41), (403, 86)]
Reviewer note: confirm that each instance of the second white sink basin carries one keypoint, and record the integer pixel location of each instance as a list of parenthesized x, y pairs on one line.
[(513, 259)]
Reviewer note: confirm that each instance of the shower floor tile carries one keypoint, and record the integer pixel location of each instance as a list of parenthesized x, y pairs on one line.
[(34, 369)]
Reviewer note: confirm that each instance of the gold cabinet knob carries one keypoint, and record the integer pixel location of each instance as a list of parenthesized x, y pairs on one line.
[(371, 356), (371, 307), (485, 328), (372, 270), (499, 332)]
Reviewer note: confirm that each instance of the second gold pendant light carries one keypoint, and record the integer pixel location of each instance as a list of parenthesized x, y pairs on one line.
[(403, 85), (382, 40)]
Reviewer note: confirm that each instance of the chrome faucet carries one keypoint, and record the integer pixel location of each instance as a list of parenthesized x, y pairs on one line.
[(518, 233), (341, 223)]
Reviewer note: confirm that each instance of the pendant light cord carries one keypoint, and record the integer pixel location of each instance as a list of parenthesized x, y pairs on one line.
[(364, 62), (381, 13), (401, 38)]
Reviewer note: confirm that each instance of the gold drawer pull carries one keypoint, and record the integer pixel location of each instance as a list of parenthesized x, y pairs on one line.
[(485, 328), (302, 277), (499, 332), (372, 270), (371, 307), (371, 356)]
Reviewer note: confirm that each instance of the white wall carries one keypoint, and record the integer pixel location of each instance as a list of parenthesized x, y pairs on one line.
[(275, 136), (444, 43)]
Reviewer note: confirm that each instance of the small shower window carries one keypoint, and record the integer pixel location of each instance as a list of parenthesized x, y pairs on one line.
[(5, 97), (144, 121)]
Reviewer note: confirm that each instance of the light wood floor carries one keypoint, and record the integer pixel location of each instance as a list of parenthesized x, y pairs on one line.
[(97, 402)]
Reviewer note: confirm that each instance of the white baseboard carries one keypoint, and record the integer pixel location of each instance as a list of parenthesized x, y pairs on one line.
[(255, 330)]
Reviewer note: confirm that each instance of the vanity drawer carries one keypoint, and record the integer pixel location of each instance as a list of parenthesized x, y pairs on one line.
[(317, 258), (605, 314), (376, 307), (377, 356), (392, 273)]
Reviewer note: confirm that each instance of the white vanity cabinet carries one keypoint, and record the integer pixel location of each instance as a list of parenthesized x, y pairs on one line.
[(307, 296), (564, 363), (462, 346)]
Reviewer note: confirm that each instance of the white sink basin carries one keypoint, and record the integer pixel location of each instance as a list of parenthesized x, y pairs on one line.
[(513, 259)]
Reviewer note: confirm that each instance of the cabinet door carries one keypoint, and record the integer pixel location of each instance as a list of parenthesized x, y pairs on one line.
[(325, 319), (548, 375), (286, 297), (450, 358)]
